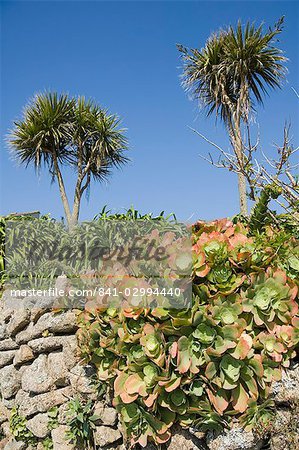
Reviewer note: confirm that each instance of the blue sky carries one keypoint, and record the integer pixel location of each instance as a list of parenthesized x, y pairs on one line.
[(123, 55)]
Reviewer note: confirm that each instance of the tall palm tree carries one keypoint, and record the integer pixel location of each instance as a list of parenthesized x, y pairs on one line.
[(230, 75), (58, 131)]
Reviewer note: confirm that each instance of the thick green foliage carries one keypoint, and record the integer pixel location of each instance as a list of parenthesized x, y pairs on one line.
[(81, 423), (59, 250), (34, 228), (204, 365), (19, 430), (260, 215), (131, 214)]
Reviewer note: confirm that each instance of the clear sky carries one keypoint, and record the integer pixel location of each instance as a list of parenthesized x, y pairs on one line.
[(123, 55)]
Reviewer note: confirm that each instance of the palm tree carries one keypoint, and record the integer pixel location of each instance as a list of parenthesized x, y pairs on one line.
[(58, 131), (230, 75)]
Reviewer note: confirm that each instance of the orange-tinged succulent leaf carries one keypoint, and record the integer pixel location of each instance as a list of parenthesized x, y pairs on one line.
[(148, 329), (142, 440), (162, 438), (218, 400), (211, 370), (159, 312), (173, 349), (232, 332), (119, 383), (257, 365), (280, 275), (295, 322), (127, 398), (183, 358), (134, 384), (150, 400), (240, 398), (171, 384), (243, 347)]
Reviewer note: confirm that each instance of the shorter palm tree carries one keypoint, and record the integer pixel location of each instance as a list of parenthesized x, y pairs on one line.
[(230, 75), (58, 131)]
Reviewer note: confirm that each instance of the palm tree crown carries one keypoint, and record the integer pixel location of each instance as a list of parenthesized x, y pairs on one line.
[(57, 130), (234, 69)]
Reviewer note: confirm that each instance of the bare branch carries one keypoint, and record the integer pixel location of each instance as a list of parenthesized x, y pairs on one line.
[(296, 93), (207, 140)]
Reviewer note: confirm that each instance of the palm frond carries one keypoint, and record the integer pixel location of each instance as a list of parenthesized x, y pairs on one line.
[(74, 131), (235, 68), (43, 130)]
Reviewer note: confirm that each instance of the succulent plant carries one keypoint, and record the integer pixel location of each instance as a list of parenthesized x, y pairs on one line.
[(176, 401), (153, 345), (204, 365), (270, 298)]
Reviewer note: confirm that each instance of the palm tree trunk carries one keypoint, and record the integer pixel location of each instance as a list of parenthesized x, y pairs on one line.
[(242, 194), (79, 190), (62, 191), (238, 149), (75, 212)]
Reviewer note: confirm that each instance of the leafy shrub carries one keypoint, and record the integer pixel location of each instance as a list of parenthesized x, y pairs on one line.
[(18, 428), (39, 250), (27, 230), (47, 443), (81, 423), (131, 214), (204, 365), (53, 418), (261, 215)]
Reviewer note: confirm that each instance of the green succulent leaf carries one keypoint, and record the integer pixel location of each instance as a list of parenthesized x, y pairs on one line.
[(204, 334)]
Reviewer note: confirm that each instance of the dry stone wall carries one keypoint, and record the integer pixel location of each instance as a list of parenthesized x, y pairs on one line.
[(40, 368)]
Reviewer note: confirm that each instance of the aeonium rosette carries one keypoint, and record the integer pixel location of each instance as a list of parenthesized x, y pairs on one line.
[(212, 260), (279, 344), (270, 298), (153, 344)]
